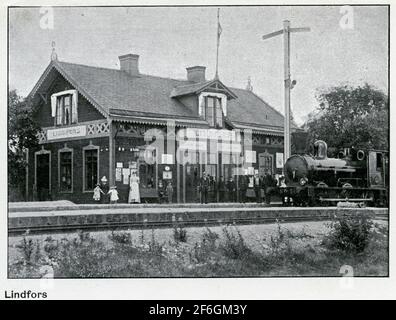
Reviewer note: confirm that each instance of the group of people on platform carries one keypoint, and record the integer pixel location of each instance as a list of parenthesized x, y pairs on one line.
[(234, 189), (242, 188), (104, 194)]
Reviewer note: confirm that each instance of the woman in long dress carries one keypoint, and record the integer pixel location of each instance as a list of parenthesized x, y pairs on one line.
[(134, 193)]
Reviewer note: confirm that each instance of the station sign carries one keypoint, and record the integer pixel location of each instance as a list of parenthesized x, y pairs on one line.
[(65, 133)]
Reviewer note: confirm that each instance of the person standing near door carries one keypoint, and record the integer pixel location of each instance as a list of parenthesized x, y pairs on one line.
[(243, 185), (231, 187), (204, 188), (169, 192), (221, 188), (134, 192), (269, 186), (105, 189), (257, 187)]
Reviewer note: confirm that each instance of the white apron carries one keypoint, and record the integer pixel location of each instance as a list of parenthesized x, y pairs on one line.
[(134, 193)]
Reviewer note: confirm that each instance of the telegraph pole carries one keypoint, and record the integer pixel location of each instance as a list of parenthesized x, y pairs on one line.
[(287, 81)]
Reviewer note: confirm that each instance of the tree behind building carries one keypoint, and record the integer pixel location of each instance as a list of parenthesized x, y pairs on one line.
[(351, 116), (22, 134)]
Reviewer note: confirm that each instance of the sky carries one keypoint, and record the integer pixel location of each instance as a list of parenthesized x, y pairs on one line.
[(170, 39)]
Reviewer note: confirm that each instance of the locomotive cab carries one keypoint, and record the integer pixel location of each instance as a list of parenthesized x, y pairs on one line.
[(377, 169)]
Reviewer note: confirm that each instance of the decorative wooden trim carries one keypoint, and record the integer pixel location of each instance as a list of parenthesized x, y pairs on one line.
[(94, 129)]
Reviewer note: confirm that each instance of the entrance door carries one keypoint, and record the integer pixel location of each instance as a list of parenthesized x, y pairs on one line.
[(265, 163), (376, 169), (43, 176), (192, 174)]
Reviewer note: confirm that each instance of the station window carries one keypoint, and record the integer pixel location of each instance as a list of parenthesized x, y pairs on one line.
[(65, 171), (90, 169), (66, 112), (214, 113), (379, 161)]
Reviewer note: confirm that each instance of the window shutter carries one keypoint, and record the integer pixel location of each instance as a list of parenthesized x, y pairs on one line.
[(75, 107), (53, 105), (59, 111), (201, 105), (224, 104)]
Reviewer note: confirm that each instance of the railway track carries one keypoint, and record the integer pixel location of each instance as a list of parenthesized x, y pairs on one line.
[(14, 231)]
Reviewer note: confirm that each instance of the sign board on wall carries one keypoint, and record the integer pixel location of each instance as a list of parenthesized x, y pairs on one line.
[(64, 133), (167, 175), (279, 160), (167, 158), (118, 174), (250, 156)]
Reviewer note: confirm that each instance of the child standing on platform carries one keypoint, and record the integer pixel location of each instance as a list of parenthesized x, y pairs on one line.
[(97, 193), (113, 195)]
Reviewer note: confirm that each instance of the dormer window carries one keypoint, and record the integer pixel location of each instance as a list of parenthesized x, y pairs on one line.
[(212, 107), (64, 107), (213, 112)]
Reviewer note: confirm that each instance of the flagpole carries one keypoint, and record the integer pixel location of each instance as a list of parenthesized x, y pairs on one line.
[(218, 40)]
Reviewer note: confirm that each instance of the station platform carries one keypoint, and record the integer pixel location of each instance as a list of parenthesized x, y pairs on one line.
[(63, 216), (70, 206)]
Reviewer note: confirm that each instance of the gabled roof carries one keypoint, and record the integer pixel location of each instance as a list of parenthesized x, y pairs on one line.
[(116, 93), (196, 88)]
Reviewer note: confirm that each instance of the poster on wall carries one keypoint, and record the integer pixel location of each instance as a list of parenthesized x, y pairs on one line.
[(132, 164), (279, 160), (125, 175), (166, 175), (167, 158), (250, 156), (118, 174)]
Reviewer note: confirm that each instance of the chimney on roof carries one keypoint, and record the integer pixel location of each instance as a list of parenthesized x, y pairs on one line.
[(196, 74), (130, 63)]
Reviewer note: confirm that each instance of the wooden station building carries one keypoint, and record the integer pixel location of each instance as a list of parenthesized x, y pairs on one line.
[(109, 122)]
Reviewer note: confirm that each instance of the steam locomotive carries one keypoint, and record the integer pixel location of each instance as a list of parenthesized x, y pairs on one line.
[(356, 175)]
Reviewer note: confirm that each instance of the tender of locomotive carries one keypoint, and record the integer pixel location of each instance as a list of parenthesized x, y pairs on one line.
[(356, 175)]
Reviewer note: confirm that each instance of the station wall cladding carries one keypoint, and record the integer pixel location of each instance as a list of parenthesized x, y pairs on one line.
[(86, 112), (77, 194)]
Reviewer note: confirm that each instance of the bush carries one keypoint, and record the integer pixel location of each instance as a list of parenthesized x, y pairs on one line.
[(234, 245), (209, 239), (122, 238), (30, 250), (206, 248), (154, 246), (349, 233), (179, 233), (279, 242)]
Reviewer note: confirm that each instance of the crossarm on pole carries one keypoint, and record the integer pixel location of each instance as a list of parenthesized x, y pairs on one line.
[(272, 34), (304, 29)]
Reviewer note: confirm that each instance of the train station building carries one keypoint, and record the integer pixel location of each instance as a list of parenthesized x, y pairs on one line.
[(99, 122)]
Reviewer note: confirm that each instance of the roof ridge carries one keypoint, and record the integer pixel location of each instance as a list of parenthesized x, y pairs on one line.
[(118, 70), (86, 65), (194, 83)]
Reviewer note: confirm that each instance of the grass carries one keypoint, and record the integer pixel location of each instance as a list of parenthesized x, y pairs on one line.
[(227, 252)]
